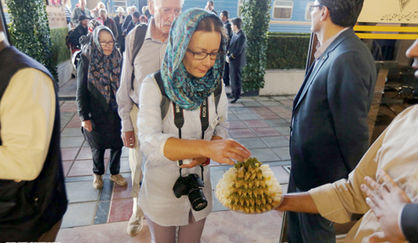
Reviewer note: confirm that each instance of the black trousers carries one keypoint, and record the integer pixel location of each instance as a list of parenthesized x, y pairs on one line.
[(98, 160), (235, 74), (306, 227), (226, 74)]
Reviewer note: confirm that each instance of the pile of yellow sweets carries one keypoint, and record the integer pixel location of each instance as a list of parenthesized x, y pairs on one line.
[(249, 187)]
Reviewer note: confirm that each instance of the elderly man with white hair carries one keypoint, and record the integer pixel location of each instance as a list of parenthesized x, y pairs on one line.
[(136, 66), (119, 19)]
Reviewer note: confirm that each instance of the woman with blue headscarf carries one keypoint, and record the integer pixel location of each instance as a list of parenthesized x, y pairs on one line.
[(176, 189), (98, 75)]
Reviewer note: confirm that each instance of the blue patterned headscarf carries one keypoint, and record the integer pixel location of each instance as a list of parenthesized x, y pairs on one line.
[(104, 71), (181, 87)]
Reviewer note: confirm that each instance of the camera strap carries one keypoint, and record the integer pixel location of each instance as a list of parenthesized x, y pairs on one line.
[(201, 173), (204, 119)]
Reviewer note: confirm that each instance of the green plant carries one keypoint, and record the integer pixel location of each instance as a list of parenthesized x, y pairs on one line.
[(59, 49), (287, 50), (256, 18), (30, 32)]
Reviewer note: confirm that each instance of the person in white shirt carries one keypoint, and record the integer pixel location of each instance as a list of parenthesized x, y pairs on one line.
[(189, 77), (147, 60)]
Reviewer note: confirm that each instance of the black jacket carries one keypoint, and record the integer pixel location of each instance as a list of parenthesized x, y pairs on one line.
[(236, 50), (92, 106), (76, 34), (112, 26), (118, 25), (229, 33), (30, 208), (329, 131), (409, 219), (127, 21)]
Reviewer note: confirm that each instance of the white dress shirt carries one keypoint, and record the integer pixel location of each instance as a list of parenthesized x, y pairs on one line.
[(156, 197)]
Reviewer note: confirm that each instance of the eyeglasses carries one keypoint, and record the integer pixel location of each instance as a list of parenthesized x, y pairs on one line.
[(108, 43), (203, 55), (314, 6)]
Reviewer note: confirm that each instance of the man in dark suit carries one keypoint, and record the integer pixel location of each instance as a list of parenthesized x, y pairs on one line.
[(236, 58), (80, 30), (227, 25), (329, 131), (128, 19), (134, 22), (119, 19)]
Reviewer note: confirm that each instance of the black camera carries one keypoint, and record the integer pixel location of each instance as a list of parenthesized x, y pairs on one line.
[(191, 186)]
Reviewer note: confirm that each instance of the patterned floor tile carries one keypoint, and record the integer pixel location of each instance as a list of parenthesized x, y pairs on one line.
[(236, 124), (125, 152), (69, 153), (251, 143), (266, 131), (81, 191), (79, 214), (124, 165), (102, 212), (281, 174), (70, 142), (256, 123), (66, 166), (85, 153), (69, 106), (81, 168), (74, 123), (277, 122), (241, 133), (120, 192), (241, 110), (232, 117), (264, 155), (248, 116), (71, 132), (284, 130), (282, 152), (120, 210), (280, 141)]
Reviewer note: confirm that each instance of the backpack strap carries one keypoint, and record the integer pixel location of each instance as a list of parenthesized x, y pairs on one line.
[(165, 101), (140, 32), (217, 93)]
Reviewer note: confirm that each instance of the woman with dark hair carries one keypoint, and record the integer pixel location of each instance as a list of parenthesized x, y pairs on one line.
[(98, 80), (176, 189)]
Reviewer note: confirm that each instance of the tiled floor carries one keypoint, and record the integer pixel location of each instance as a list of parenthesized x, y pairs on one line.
[(259, 123)]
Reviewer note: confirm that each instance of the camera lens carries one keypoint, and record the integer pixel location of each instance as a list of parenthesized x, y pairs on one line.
[(197, 199)]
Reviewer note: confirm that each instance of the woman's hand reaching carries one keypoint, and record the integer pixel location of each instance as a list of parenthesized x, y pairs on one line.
[(225, 151)]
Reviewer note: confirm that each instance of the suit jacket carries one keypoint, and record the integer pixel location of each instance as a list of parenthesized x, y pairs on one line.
[(127, 21), (110, 23), (236, 50), (118, 25), (409, 220), (329, 130), (75, 35), (229, 33)]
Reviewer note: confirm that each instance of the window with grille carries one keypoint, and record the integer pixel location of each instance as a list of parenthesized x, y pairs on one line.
[(282, 9)]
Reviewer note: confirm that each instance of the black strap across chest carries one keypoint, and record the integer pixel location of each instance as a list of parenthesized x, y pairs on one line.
[(204, 119)]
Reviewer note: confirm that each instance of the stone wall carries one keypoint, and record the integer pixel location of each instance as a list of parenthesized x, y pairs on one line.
[(282, 82)]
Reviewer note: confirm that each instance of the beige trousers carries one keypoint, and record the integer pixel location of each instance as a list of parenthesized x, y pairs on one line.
[(135, 160)]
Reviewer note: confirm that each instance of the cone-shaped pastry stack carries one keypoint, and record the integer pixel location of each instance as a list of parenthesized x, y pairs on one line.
[(249, 187)]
